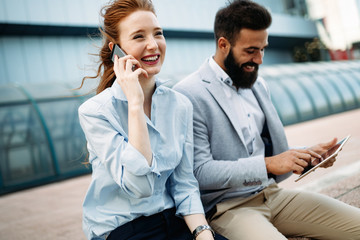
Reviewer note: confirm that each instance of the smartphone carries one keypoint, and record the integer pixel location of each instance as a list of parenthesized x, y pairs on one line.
[(120, 53), (117, 51)]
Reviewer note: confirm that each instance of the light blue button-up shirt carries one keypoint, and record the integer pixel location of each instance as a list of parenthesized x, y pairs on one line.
[(123, 186)]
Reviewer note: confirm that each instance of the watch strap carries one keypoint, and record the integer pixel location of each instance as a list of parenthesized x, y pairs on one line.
[(202, 228)]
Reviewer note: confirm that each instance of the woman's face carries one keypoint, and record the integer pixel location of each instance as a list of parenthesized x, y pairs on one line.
[(142, 37)]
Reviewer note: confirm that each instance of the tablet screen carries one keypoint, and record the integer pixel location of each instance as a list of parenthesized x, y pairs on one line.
[(326, 156)]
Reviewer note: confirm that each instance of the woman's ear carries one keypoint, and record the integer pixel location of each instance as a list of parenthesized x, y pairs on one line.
[(111, 45)]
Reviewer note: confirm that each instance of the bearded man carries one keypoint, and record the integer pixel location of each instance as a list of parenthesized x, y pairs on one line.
[(240, 148)]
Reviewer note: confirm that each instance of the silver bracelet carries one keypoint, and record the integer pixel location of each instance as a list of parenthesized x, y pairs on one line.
[(202, 228)]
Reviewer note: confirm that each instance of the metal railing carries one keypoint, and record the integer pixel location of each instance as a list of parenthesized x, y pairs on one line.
[(41, 140), (306, 91), (40, 137)]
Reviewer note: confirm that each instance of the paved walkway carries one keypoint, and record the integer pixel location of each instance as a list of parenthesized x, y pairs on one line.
[(341, 181), (54, 211)]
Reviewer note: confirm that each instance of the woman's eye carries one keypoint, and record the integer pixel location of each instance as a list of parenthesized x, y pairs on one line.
[(159, 33), (137, 36)]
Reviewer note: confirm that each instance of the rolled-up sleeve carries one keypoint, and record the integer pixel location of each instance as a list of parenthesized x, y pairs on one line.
[(184, 186), (127, 166)]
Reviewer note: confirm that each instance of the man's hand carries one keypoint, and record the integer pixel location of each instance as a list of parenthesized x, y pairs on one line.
[(322, 148), (294, 160)]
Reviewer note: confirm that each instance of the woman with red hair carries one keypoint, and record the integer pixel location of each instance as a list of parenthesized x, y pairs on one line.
[(140, 138)]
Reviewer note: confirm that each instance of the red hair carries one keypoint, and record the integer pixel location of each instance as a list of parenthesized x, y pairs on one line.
[(113, 13)]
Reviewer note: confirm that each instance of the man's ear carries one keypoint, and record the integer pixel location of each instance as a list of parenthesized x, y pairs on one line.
[(224, 45), (111, 45)]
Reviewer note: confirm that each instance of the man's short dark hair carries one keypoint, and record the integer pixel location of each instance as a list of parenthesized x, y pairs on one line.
[(240, 14)]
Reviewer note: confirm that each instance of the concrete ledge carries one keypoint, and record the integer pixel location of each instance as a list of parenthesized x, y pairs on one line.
[(347, 190), (342, 181)]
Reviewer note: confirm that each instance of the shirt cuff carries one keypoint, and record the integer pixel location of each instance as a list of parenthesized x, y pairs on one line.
[(191, 205), (135, 163)]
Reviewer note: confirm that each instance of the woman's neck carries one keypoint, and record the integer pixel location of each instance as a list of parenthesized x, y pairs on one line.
[(148, 86)]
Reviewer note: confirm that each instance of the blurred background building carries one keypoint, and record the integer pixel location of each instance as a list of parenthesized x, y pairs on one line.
[(338, 25), (47, 47)]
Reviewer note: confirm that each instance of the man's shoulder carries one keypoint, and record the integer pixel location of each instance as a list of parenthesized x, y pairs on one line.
[(188, 81), (191, 86), (194, 82), (179, 98)]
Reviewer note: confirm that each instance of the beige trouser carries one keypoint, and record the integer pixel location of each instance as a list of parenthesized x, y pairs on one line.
[(275, 213)]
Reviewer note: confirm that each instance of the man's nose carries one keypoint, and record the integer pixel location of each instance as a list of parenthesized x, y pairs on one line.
[(258, 59)]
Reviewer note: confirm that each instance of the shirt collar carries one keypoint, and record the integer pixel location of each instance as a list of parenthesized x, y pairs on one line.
[(119, 94), (220, 73)]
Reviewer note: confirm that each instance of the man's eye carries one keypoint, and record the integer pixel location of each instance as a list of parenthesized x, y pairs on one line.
[(137, 36)]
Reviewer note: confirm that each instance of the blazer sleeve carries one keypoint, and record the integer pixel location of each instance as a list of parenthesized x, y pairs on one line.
[(217, 174)]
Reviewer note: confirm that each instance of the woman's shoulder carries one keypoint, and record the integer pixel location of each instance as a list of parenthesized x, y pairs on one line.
[(96, 102)]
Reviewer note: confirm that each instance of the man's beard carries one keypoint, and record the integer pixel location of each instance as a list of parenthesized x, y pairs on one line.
[(240, 78)]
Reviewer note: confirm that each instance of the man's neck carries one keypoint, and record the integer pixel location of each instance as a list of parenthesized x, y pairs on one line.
[(219, 60)]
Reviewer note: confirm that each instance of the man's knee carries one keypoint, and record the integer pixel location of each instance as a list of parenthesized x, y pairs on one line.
[(245, 224)]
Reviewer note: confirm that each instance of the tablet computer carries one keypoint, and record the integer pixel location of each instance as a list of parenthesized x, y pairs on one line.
[(326, 156)]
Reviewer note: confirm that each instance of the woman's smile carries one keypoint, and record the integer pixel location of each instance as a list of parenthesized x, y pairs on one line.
[(151, 59)]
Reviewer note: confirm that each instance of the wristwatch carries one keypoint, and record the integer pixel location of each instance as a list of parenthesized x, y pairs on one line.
[(200, 229)]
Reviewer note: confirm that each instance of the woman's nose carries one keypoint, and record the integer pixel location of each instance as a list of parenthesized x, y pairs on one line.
[(152, 44)]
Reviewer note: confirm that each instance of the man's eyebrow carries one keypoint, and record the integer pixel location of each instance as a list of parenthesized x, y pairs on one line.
[(256, 48), (252, 48)]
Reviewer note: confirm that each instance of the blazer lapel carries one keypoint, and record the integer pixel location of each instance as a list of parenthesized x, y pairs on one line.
[(215, 88), (273, 121)]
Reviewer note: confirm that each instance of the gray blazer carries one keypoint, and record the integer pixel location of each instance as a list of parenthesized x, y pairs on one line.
[(222, 164)]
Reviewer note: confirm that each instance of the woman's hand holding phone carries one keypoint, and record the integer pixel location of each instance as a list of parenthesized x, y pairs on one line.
[(129, 79)]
